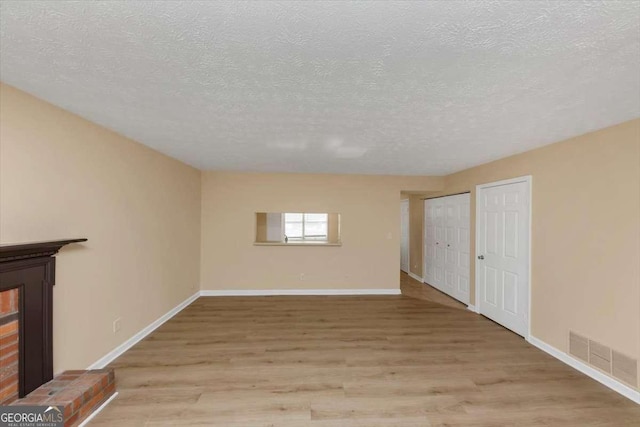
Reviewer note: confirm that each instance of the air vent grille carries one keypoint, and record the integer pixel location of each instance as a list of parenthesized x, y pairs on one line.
[(600, 356), (625, 368), (579, 346)]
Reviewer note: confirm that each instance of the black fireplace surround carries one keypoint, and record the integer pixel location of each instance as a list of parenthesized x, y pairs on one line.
[(30, 268)]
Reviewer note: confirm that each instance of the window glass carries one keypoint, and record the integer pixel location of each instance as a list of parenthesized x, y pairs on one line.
[(308, 226)]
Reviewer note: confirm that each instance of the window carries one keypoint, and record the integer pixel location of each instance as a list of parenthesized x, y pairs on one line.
[(306, 226)]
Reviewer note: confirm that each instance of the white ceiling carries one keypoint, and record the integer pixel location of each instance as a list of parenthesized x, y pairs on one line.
[(336, 87)]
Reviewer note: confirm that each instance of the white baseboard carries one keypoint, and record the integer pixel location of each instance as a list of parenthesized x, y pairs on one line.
[(604, 379), (473, 308), (97, 411), (416, 277), (113, 354), (309, 292)]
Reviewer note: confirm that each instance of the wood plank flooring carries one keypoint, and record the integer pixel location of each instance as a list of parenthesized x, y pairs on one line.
[(412, 288), (348, 361)]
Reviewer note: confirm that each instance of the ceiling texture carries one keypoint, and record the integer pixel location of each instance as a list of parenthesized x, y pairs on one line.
[(413, 88)]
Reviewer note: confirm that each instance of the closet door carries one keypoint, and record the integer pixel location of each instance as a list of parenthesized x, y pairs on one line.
[(434, 243), (446, 245), (429, 241), (457, 259), (449, 246), (438, 267)]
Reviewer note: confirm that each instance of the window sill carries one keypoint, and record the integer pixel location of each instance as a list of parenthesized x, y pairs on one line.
[(309, 243)]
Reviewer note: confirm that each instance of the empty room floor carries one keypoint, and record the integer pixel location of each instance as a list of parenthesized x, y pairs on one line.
[(415, 289), (348, 361)]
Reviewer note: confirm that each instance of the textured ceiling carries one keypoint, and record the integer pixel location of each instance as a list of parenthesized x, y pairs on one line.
[(340, 87)]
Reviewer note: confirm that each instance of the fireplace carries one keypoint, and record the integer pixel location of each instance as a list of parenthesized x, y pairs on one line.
[(9, 344), (27, 277)]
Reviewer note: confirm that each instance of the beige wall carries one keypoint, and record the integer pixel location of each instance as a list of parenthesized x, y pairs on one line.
[(369, 211), (585, 234), (64, 177)]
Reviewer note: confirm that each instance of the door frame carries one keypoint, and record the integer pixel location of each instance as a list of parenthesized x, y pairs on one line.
[(408, 202), (528, 179), (424, 241)]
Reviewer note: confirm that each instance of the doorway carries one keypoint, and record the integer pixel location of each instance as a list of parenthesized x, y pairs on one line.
[(404, 235)]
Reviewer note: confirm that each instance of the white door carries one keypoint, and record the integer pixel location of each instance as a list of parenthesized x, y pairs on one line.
[(446, 245), (404, 235), (434, 256), (438, 248), (429, 242), (502, 249), (457, 250)]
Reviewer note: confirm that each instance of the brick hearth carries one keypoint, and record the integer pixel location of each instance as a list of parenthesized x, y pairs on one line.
[(79, 392)]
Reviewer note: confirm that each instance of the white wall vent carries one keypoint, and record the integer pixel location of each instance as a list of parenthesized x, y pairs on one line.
[(579, 346), (600, 356), (625, 368), (618, 365)]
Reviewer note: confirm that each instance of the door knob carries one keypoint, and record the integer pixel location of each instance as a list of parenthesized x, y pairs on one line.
[(480, 256)]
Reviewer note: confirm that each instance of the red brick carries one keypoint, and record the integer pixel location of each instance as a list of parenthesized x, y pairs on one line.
[(16, 300), (89, 407), (9, 339), (80, 393), (30, 400), (6, 382), (5, 303), (77, 403), (40, 391), (87, 395), (64, 397), (9, 328), (111, 388), (72, 420), (68, 410), (58, 384), (9, 359), (8, 301), (9, 348), (8, 393), (10, 399), (76, 372), (7, 371), (66, 377)]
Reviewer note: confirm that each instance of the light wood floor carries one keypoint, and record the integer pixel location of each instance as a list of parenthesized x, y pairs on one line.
[(386, 361), (412, 288)]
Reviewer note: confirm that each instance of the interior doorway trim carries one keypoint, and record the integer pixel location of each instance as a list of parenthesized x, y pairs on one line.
[(528, 179), (406, 202)]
